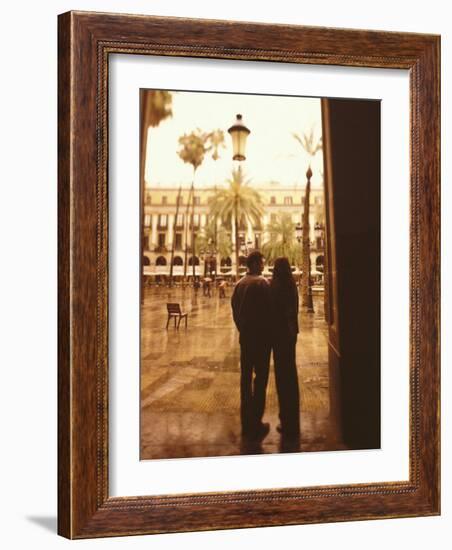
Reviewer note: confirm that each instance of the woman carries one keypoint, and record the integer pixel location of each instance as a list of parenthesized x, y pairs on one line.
[(284, 299)]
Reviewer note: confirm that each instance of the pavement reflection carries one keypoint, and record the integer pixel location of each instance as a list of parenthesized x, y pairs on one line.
[(190, 381)]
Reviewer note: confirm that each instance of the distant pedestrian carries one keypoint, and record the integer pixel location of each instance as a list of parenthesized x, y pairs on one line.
[(207, 287), (222, 289), (196, 284)]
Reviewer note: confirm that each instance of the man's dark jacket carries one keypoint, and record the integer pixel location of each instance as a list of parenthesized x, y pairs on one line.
[(251, 306)]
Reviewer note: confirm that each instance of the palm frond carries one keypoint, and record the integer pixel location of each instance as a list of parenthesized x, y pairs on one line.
[(238, 195), (308, 143), (282, 241)]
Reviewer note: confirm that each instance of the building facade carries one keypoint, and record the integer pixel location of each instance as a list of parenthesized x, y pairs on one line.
[(170, 217)]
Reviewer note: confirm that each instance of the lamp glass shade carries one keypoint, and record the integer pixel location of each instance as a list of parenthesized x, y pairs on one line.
[(239, 134)]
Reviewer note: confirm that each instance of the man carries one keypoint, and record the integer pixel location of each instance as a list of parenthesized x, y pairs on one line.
[(250, 308)]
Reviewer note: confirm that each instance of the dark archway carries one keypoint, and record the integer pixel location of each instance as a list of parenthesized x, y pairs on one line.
[(161, 260), (178, 260), (146, 260), (194, 260)]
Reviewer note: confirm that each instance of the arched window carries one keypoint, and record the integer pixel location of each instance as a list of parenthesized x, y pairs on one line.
[(178, 260), (146, 260), (319, 261), (226, 262), (161, 260), (194, 260)]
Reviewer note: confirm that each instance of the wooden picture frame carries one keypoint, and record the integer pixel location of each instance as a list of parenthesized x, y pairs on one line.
[(85, 42)]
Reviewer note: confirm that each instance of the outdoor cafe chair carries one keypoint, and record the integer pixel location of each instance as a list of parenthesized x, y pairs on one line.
[(175, 311)]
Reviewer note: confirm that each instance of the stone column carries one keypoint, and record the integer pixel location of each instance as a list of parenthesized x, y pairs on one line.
[(170, 228), (153, 242)]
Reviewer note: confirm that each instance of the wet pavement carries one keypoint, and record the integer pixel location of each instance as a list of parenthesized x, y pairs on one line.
[(190, 379)]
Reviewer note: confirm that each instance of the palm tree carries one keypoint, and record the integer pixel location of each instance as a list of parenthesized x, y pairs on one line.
[(155, 106), (193, 148), (223, 243), (216, 138), (236, 204), (173, 244), (215, 238), (311, 146), (218, 236), (282, 241)]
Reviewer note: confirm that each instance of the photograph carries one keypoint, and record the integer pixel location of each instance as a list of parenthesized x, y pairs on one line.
[(260, 274)]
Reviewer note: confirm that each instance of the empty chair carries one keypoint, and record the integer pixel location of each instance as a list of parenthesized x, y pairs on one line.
[(175, 311)]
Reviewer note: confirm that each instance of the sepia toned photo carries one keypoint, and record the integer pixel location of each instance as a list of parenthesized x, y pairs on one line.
[(260, 274)]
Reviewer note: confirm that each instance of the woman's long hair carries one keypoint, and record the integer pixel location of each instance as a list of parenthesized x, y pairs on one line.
[(282, 279)]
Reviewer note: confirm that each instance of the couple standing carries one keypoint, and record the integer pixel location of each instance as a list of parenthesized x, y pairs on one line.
[(266, 316)]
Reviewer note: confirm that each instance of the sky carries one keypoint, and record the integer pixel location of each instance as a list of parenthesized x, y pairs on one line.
[(272, 153)]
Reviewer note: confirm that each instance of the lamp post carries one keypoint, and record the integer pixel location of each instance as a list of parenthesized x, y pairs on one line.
[(299, 235), (239, 134), (246, 246), (242, 248), (318, 234), (310, 303), (306, 300), (209, 256)]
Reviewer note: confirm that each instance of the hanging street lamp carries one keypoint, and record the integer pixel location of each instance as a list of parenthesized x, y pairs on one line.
[(239, 134)]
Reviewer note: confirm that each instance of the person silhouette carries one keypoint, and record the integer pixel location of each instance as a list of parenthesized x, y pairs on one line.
[(284, 315), (250, 303)]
